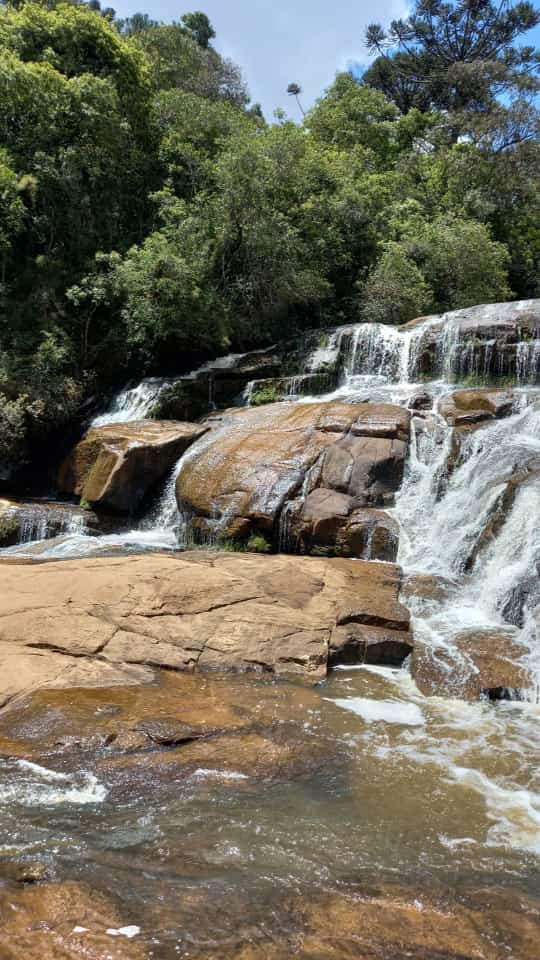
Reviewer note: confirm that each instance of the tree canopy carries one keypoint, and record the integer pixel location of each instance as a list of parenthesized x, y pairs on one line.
[(150, 216)]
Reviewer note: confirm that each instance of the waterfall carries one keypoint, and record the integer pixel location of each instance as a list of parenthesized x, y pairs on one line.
[(136, 403), (42, 520), (442, 346), (327, 352), (528, 361), (444, 519), (133, 403)]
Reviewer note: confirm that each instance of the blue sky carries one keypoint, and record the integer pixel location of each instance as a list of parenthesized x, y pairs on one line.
[(279, 41)]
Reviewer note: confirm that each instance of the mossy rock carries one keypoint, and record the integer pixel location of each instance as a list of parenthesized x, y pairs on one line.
[(9, 529), (183, 400)]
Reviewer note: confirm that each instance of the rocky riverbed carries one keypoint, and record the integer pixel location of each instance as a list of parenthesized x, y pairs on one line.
[(270, 678)]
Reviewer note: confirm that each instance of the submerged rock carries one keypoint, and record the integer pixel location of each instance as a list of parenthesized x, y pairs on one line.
[(63, 921), (115, 465), (481, 663), (93, 622), (377, 921)]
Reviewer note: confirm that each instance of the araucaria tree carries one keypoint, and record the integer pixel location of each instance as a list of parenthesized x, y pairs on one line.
[(458, 55)]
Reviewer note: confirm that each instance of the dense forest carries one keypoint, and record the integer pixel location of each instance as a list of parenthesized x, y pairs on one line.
[(150, 216)]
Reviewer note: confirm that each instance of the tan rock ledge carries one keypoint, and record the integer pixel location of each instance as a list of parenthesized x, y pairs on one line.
[(105, 621)]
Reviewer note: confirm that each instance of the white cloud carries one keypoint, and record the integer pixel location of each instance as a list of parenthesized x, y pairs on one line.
[(277, 42)]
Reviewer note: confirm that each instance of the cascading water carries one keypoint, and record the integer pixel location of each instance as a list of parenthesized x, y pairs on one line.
[(133, 403), (136, 403), (442, 530), (379, 362)]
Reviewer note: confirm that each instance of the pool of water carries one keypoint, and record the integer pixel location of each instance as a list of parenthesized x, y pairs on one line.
[(310, 791)]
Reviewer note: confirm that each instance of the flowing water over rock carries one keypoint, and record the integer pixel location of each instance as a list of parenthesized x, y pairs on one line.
[(229, 847), (133, 403)]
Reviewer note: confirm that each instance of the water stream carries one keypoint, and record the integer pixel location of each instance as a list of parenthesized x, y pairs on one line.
[(427, 789)]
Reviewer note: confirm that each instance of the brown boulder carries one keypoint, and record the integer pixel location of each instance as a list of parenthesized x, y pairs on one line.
[(368, 468), (467, 407), (101, 621), (257, 460), (485, 663), (114, 465), (327, 522), (364, 643)]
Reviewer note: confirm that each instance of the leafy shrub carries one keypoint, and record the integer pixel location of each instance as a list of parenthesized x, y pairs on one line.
[(258, 544), (268, 394)]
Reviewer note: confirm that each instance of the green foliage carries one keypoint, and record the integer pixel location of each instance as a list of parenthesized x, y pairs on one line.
[(461, 53), (258, 544), (461, 263), (12, 210), (442, 265), (179, 61), (396, 290), (148, 214), (268, 394), (199, 27), (12, 429), (167, 287)]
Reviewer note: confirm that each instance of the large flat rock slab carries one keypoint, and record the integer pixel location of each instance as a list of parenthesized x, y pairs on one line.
[(109, 620), (115, 465), (256, 460)]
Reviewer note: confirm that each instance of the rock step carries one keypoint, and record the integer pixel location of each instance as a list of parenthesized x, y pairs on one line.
[(108, 621)]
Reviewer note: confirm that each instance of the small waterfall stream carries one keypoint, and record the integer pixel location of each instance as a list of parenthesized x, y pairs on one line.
[(443, 784), (133, 403)]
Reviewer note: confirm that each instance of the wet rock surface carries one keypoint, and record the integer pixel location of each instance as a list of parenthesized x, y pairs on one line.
[(62, 921), (465, 407), (487, 664), (187, 845), (111, 619), (257, 460), (115, 465), (327, 522), (392, 922), (24, 521), (488, 341)]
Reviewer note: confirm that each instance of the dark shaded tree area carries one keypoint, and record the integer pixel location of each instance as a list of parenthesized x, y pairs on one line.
[(150, 216)]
